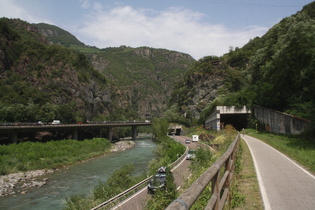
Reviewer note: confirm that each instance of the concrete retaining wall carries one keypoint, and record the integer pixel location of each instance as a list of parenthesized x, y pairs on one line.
[(279, 122)]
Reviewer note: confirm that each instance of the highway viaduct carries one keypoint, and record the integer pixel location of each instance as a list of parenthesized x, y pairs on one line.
[(14, 129)]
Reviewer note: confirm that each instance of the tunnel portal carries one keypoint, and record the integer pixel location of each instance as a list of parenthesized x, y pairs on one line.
[(225, 115)]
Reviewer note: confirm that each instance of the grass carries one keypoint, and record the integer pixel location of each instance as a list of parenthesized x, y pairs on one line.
[(29, 156), (246, 183), (297, 148)]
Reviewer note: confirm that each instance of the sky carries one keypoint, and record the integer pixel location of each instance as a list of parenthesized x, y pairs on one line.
[(196, 27)]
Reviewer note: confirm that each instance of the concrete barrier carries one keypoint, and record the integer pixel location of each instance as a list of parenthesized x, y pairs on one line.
[(279, 122)]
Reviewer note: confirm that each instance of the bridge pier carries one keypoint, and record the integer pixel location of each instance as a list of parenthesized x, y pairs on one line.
[(13, 137), (110, 133), (134, 132), (75, 134)]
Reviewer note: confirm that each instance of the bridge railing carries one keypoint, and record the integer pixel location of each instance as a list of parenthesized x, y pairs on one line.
[(138, 186), (220, 182)]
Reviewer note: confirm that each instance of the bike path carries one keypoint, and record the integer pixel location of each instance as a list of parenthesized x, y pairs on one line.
[(283, 183)]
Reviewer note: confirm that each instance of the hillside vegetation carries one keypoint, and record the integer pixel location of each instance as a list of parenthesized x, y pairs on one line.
[(276, 71), (143, 77), (40, 81), (46, 73)]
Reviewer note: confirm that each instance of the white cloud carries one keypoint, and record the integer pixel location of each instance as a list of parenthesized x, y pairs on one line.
[(175, 29), (85, 4), (13, 9)]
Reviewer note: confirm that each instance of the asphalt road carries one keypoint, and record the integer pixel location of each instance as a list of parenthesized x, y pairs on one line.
[(283, 184), (180, 172)]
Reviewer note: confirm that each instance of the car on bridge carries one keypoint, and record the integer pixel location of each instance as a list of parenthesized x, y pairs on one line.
[(56, 122), (158, 181)]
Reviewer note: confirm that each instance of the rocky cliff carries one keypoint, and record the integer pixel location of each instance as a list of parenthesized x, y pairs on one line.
[(143, 77)]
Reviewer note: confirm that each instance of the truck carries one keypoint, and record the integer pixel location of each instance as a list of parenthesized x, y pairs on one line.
[(195, 138)]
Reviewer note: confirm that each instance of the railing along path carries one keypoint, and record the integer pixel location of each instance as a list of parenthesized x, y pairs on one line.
[(219, 185)]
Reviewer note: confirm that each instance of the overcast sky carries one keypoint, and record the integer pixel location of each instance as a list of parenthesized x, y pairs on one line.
[(197, 27)]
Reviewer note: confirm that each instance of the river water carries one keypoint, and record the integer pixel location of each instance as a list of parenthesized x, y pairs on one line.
[(80, 179)]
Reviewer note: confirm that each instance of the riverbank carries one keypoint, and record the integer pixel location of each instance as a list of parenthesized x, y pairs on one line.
[(19, 183)]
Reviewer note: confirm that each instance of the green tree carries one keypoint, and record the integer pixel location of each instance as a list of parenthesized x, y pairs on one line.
[(159, 128)]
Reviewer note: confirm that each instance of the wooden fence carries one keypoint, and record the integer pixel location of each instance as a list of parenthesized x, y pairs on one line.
[(219, 175)]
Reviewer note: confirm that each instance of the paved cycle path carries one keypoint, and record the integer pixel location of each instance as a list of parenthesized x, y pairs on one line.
[(283, 184)]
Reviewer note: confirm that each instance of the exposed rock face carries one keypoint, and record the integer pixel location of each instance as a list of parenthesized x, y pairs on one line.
[(204, 91), (147, 76)]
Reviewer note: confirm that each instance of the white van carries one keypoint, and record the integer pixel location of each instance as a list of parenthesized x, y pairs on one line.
[(56, 122), (195, 138)]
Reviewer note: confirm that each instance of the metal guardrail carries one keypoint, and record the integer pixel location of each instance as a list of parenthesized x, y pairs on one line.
[(121, 195), (220, 185), (136, 187)]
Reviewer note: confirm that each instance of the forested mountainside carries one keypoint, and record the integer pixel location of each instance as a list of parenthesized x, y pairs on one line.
[(41, 81), (142, 77), (275, 71), (46, 74)]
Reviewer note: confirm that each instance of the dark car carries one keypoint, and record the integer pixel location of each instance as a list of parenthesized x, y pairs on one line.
[(158, 181)]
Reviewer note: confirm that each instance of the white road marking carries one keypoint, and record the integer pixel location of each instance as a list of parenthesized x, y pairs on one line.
[(261, 183)]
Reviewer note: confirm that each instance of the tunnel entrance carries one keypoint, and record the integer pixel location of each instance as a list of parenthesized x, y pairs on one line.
[(225, 115), (238, 121)]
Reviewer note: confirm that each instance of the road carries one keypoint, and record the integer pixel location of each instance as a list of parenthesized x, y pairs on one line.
[(180, 172), (283, 183)]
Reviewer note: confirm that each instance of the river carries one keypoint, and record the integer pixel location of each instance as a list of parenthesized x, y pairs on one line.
[(81, 178)]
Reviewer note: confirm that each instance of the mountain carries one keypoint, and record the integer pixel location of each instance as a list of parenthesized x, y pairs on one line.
[(41, 81), (46, 74), (276, 70), (57, 35), (143, 77)]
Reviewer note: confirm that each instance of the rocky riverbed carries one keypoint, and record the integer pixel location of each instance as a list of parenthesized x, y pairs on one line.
[(122, 145), (18, 183)]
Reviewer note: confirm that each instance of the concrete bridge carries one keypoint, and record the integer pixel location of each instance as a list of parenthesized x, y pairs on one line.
[(14, 128)]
